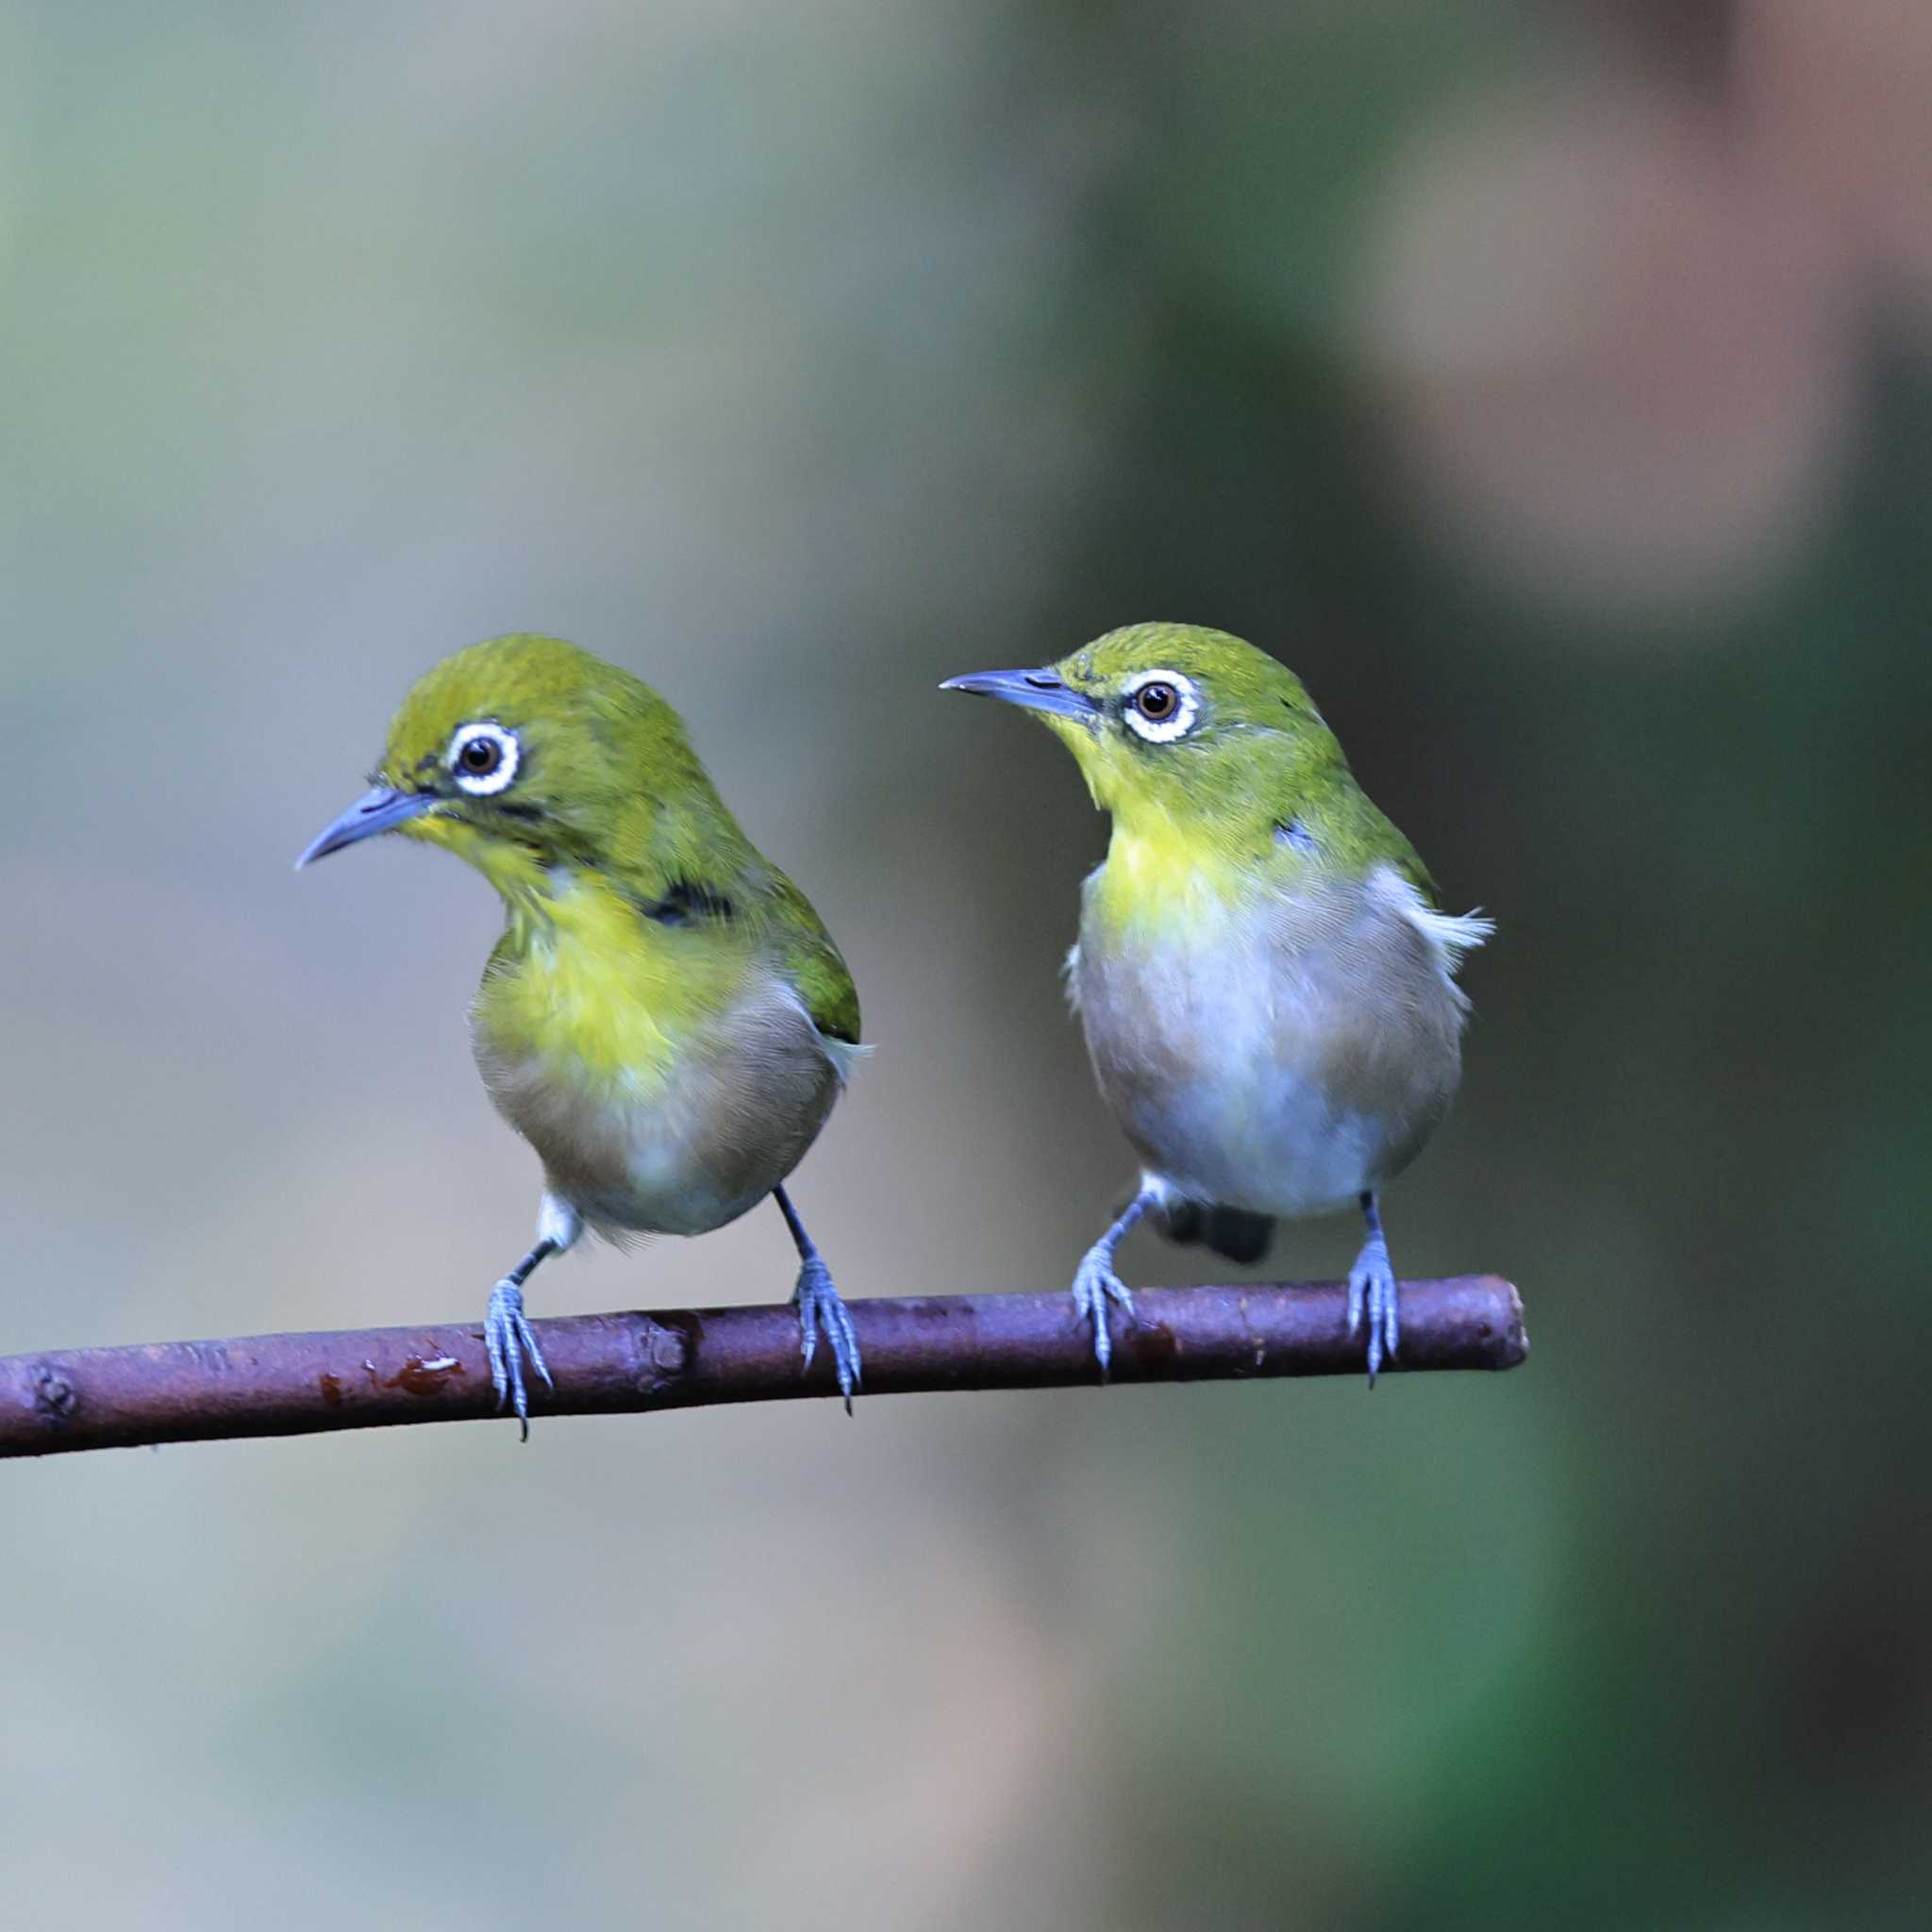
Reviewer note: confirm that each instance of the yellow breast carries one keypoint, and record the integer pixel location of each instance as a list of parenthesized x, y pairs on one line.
[(1160, 878), (592, 990), (667, 1075)]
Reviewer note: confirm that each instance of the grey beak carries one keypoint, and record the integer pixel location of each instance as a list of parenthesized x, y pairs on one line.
[(382, 808), (1035, 690)]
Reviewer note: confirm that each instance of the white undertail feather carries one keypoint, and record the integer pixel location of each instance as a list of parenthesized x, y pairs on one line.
[(1449, 935), (1454, 932), (844, 1054)]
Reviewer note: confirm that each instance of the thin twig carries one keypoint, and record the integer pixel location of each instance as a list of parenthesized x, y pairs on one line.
[(289, 1385)]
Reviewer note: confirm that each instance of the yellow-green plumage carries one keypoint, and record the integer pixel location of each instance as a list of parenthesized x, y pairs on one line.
[(665, 1019), (1264, 981)]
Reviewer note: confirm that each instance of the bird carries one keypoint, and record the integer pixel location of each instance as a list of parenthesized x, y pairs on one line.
[(665, 1019), (1265, 979)]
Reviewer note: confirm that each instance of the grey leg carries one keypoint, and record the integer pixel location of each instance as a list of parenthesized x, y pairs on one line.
[(819, 1306), (1372, 1292), (1095, 1284), (508, 1336)]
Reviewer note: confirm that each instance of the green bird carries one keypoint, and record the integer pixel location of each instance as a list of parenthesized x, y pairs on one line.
[(1266, 984), (665, 1019)]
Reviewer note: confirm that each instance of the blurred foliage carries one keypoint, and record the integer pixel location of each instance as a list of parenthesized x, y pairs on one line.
[(1548, 384)]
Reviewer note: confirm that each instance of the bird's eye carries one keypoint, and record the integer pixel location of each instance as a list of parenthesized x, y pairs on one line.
[(1162, 706), (483, 758)]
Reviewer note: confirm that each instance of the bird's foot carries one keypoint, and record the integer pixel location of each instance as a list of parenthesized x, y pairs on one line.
[(1372, 1292), (508, 1338), (1095, 1285), (819, 1306)]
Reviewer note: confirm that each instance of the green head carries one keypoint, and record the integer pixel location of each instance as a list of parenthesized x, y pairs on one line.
[(523, 753), (1175, 722)]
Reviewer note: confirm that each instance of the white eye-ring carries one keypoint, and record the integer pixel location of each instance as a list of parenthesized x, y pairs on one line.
[(483, 758), (1162, 706)]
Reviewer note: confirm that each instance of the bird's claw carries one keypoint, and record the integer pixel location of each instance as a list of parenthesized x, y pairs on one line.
[(1095, 1285), (1372, 1292), (819, 1306), (508, 1338)]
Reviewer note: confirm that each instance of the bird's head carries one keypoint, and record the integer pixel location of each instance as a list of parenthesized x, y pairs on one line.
[(1174, 720), (520, 754)]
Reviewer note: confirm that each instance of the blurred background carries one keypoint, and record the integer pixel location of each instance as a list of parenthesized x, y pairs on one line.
[(1550, 384)]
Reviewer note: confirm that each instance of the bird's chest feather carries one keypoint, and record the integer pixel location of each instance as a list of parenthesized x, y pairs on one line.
[(667, 1079), (1268, 1046)]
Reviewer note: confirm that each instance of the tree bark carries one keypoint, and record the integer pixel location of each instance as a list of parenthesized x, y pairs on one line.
[(288, 1385)]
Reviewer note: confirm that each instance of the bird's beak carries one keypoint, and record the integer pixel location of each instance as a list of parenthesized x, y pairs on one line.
[(1037, 690), (381, 808)]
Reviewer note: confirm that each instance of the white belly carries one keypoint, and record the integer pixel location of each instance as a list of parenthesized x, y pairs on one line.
[(672, 1183), (1267, 1138), (687, 1151), (1281, 1057)]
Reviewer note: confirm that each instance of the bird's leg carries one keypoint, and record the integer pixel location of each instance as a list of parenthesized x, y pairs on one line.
[(1095, 1284), (818, 1305), (1371, 1289), (507, 1336)]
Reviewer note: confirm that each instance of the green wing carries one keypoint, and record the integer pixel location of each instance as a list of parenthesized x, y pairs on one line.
[(813, 964), (1349, 831), (828, 993)]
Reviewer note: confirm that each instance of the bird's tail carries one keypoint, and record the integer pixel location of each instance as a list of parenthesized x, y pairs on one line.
[(1235, 1234)]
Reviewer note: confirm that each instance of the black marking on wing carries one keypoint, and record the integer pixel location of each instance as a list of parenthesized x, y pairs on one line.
[(685, 904)]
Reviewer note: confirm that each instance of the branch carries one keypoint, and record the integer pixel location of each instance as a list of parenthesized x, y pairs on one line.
[(292, 1385)]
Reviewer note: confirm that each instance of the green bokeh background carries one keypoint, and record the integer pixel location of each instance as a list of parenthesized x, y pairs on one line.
[(1548, 384)]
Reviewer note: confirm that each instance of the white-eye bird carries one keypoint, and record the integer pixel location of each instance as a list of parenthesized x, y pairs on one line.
[(664, 1019), (1266, 985)]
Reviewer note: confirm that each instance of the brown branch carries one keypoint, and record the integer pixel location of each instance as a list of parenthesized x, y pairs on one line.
[(291, 1385)]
